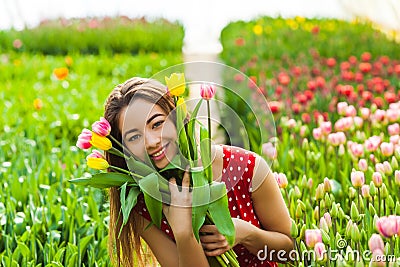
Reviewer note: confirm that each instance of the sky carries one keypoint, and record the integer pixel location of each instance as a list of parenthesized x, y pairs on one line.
[(203, 20)]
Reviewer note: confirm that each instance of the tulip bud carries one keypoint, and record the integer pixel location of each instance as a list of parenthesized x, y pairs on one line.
[(305, 145), (319, 192), (302, 232), (303, 182), (327, 185), (352, 193), (100, 142), (372, 189), (316, 213), (387, 168), (207, 91), (349, 226), (341, 213), (301, 204), (334, 211), (354, 214), (372, 210), (101, 127), (397, 209), (294, 231), (299, 212), (390, 202), (365, 191), (397, 177), (394, 163), (291, 155), (357, 178), (322, 205), (341, 150), (384, 191), (323, 225), (297, 192), (377, 179), (375, 242), (310, 183), (320, 252), (363, 165), (327, 201), (355, 233), (304, 131)]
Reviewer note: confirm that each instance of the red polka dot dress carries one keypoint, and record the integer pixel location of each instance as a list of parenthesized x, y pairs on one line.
[(237, 174)]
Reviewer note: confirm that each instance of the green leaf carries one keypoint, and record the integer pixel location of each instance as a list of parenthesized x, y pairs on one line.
[(139, 167), (205, 153), (219, 211), (200, 199), (84, 242), (191, 128), (128, 202), (152, 197), (183, 140), (104, 180)]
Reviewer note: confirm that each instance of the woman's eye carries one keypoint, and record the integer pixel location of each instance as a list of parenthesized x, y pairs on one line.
[(157, 124), (134, 137)]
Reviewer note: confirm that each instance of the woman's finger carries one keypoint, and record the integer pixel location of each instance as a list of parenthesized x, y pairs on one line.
[(186, 180), (209, 228), (173, 188)]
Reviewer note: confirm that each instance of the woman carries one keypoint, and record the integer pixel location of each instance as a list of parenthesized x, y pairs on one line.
[(140, 114)]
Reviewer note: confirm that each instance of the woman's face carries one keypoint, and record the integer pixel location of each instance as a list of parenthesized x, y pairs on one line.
[(148, 132)]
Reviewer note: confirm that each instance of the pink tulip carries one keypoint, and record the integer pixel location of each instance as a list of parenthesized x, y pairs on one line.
[(317, 133), (84, 139), (313, 236), (357, 150), (387, 226), (379, 115), (365, 112), (101, 127), (358, 122), (397, 178), (328, 219), (375, 242), (394, 129), (372, 143), (394, 139), (303, 130), (377, 179), (326, 127), (351, 111), (281, 180), (269, 150), (320, 251), (341, 108), (95, 154), (387, 149), (363, 165), (387, 168), (393, 114), (377, 259), (365, 191), (357, 178), (207, 91)]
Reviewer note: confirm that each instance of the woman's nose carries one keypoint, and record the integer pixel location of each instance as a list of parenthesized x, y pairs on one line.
[(153, 140)]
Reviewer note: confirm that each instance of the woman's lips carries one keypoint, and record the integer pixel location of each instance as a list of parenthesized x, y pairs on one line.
[(160, 154)]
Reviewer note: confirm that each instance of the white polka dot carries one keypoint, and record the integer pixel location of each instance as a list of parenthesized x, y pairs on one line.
[(140, 213), (223, 155), (239, 187), (249, 161), (233, 156), (247, 152), (236, 197), (234, 208), (244, 214), (239, 168), (246, 260), (237, 150), (251, 210), (248, 204), (224, 170), (231, 168), (241, 158), (248, 180), (255, 264), (238, 216), (167, 231), (144, 209), (242, 253), (227, 159), (240, 206), (246, 169), (230, 199), (243, 196), (234, 178)]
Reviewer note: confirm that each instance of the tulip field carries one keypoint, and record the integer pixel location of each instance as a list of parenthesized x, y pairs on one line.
[(337, 112), (334, 91)]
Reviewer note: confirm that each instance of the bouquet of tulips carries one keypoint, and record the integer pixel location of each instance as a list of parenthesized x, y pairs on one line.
[(209, 199)]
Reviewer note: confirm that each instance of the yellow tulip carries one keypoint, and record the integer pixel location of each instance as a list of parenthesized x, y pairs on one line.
[(97, 163), (181, 102), (257, 29), (176, 84), (100, 142)]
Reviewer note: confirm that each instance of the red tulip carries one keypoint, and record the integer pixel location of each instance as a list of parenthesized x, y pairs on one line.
[(331, 62), (207, 91), (366, 56)]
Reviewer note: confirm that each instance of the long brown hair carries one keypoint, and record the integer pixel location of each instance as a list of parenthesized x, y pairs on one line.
[(123, 247)]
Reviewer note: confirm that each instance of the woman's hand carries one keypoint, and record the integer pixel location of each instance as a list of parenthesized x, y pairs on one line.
[(214, 243), (179, 212)]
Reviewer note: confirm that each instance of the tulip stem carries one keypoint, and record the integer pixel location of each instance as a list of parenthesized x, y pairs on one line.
[(379, 202), (125, 171)]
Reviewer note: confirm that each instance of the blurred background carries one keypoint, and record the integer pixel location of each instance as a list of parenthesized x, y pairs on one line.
[(203, 20)]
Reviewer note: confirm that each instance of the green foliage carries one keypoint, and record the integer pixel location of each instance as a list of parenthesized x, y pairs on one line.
[(96, 36)]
